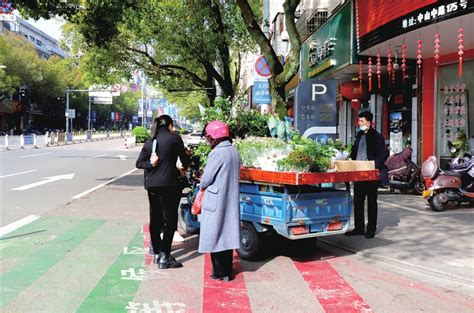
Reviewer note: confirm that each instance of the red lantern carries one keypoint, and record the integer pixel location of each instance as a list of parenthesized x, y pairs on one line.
[(370, 74), (389, 63), (379, 67), (404, 61), (419, 56), (361, 72), (461, 49), (437, 45)]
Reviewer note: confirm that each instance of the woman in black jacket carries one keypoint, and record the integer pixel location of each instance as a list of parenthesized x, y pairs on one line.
[(161, 182)]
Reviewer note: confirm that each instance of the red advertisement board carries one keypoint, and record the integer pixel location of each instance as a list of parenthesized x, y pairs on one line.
[(371, 14)]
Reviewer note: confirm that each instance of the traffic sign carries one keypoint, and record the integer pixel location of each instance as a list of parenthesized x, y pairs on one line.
[(262, 68)]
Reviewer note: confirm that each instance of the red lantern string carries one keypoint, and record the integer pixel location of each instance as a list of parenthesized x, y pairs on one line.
[(379, 67), (437, 45), (419, 55), (404, 61), (389, 63), (461, 49), (370, 74), (360, 74)]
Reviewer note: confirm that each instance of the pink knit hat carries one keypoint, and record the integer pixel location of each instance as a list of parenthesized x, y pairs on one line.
[(217, 129)]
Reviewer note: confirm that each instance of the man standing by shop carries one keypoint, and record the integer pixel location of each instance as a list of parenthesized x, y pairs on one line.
[(369, 145)]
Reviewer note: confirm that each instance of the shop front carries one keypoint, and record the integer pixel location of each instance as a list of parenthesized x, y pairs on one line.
[(421, 42)]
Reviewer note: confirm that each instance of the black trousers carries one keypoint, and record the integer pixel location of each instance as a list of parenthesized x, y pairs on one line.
[(364, 190), (222, 263), (164, 203)]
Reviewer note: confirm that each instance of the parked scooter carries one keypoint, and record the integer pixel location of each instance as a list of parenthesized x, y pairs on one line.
[(448, 189), (404, 174)]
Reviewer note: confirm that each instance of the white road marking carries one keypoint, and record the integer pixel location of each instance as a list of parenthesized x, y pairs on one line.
[(97, 156), (122, 157), (102, 185), (33, 155), (15, 225), (46, 180), (19, 173)]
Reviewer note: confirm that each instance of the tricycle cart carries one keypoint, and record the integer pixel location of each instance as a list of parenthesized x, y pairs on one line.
[(294, 205)]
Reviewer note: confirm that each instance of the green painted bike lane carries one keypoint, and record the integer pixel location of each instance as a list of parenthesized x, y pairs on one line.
[(120, 283), (35, 264), (32, 237)]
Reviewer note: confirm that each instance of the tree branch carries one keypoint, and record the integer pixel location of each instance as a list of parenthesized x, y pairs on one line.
[(264, 43)]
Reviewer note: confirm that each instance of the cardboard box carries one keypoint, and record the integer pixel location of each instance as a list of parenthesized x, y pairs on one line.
[(350, 166)]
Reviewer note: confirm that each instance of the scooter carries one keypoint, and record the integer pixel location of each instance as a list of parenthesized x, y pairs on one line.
[(404, 174), (447, 189)]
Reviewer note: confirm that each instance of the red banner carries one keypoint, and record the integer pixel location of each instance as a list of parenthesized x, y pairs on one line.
[(371, 14)]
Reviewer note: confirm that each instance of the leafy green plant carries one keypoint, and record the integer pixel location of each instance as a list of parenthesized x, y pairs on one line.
[(320, 153), (459, 145), (296, 161), (140, 133), (251, 124), (202, 151)]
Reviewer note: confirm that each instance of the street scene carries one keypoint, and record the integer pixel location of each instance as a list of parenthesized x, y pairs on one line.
[(236, 156)]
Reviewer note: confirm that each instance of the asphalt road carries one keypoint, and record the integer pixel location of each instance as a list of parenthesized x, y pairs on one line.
[(84, 165)]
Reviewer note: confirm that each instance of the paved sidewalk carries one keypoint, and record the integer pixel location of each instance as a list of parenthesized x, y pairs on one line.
[(91, 256)]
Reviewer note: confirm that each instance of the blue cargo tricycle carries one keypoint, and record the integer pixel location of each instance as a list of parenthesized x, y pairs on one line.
[(294, 205)]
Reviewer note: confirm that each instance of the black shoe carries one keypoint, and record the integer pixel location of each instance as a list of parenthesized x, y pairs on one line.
[(223, 278), (369, 234), (354, 232), (168, 262)]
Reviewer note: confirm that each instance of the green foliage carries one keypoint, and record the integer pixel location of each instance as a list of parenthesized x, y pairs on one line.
[(320, 153), (459, 145), (140, 133), (296, 161), (202, 151), (252, 124), (253, 148)]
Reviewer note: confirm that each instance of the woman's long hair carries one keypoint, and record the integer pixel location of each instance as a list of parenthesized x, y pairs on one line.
[(159, 122)]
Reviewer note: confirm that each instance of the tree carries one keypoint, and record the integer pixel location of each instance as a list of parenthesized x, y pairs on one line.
[(188, 44), (281, 73)]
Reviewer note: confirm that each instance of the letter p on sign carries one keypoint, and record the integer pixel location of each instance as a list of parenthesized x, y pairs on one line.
[(318, 89)]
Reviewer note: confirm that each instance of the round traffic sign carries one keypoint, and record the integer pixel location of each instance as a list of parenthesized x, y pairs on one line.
[(262, 68)]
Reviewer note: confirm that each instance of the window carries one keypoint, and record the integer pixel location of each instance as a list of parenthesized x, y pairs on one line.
[(38, 42), (32, 38)]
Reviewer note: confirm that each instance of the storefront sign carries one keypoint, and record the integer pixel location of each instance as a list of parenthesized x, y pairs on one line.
[(329, 47), (316, 108), (374, 26)]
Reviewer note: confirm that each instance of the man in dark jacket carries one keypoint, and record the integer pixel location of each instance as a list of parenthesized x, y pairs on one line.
[(369, 146), (161, 181)]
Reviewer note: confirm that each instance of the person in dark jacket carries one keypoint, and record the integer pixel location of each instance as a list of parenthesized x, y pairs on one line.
[(161, 182), (369, 146)]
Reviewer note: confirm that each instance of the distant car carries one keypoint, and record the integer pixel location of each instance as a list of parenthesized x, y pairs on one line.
[(195, 139)]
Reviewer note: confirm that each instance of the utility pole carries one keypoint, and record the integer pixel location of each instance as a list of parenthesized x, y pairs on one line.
[(67, 111)]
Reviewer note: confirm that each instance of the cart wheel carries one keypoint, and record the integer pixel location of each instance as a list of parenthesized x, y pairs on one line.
[(250, 242), (392, 190)]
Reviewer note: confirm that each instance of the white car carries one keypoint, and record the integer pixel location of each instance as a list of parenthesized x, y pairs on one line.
[(194, 139)]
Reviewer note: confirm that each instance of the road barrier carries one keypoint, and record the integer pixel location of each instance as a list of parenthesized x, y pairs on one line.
[(9, 142), (130, 142)]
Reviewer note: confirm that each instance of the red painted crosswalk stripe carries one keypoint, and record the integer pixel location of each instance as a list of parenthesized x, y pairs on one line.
[(219, 296), (331, 290), (147, 244)]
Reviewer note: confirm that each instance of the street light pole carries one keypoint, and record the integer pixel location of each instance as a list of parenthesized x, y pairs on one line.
[(89, 127), (67, 111)]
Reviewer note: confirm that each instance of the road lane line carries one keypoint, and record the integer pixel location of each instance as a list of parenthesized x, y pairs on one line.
[(102, 185), (15, 225), (97, 156), (19, 173), (33, 155), (331, 290), (219, 296)]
